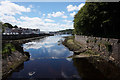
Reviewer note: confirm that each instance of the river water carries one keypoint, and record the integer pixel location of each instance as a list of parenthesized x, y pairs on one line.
[(48, 59)]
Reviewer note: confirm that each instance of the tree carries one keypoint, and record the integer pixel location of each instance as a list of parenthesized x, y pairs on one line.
[(7, 25), (1, 25), (98, 19), (15, 26)]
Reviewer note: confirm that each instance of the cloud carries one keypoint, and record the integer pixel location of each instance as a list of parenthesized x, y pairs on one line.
[(56, 14), (43, 14), (81, 5), (10, 19), (39, 13), (64, 16), (8, 8), (31, 19), (30, 6), (47, 43), (74, 8), (71, 8), (43, 24), (67, 21), (8, 11), (49, 20), (48, 46), (59, 51), (72, 14), (30, 22)]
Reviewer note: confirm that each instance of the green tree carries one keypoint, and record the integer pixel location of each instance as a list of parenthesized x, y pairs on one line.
[(98, 19), (15, 26), (7, 25)]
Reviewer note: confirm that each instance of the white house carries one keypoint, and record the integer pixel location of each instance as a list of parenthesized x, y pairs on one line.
[(7, 31), (14, 31)]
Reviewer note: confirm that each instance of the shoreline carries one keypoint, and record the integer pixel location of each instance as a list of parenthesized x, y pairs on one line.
[(79, 50), (22, 41), (23, 36), (11, 62), (17, 57), (96, 60)]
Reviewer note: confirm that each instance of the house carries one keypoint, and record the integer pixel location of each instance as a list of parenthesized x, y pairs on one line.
[(36, 31), (7, 31), (14, 31)]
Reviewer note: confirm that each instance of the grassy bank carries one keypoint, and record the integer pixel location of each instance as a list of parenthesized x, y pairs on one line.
[(78, 48), (12, 56), (7, 49)]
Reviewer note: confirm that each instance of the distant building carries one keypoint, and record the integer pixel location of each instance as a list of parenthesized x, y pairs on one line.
[(36, 31), (14, 31), (7, 31)]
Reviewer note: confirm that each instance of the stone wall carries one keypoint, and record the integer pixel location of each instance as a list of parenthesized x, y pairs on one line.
[(108, 48)]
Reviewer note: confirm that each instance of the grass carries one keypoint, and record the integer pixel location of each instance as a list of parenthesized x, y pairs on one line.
[(7, 49), (108, 47), (69, 42)]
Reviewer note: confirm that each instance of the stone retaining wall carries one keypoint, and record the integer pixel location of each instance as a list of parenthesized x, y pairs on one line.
[(108, 48)]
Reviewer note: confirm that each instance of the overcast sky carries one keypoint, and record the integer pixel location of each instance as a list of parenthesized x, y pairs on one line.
[(46, 16)]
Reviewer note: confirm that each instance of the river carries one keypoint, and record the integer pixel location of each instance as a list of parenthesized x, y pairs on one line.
[(48, 59)]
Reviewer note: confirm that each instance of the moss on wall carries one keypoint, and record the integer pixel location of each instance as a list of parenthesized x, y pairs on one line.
[(7, 49)]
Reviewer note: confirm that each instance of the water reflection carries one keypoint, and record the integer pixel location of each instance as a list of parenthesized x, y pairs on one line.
[(45, 42), (48, 48), (87, 71), (47, 68), (49, 60), (108, 69)]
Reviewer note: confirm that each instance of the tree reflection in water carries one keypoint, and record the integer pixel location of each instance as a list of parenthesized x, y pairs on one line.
[(86, 70), (93, 69)]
